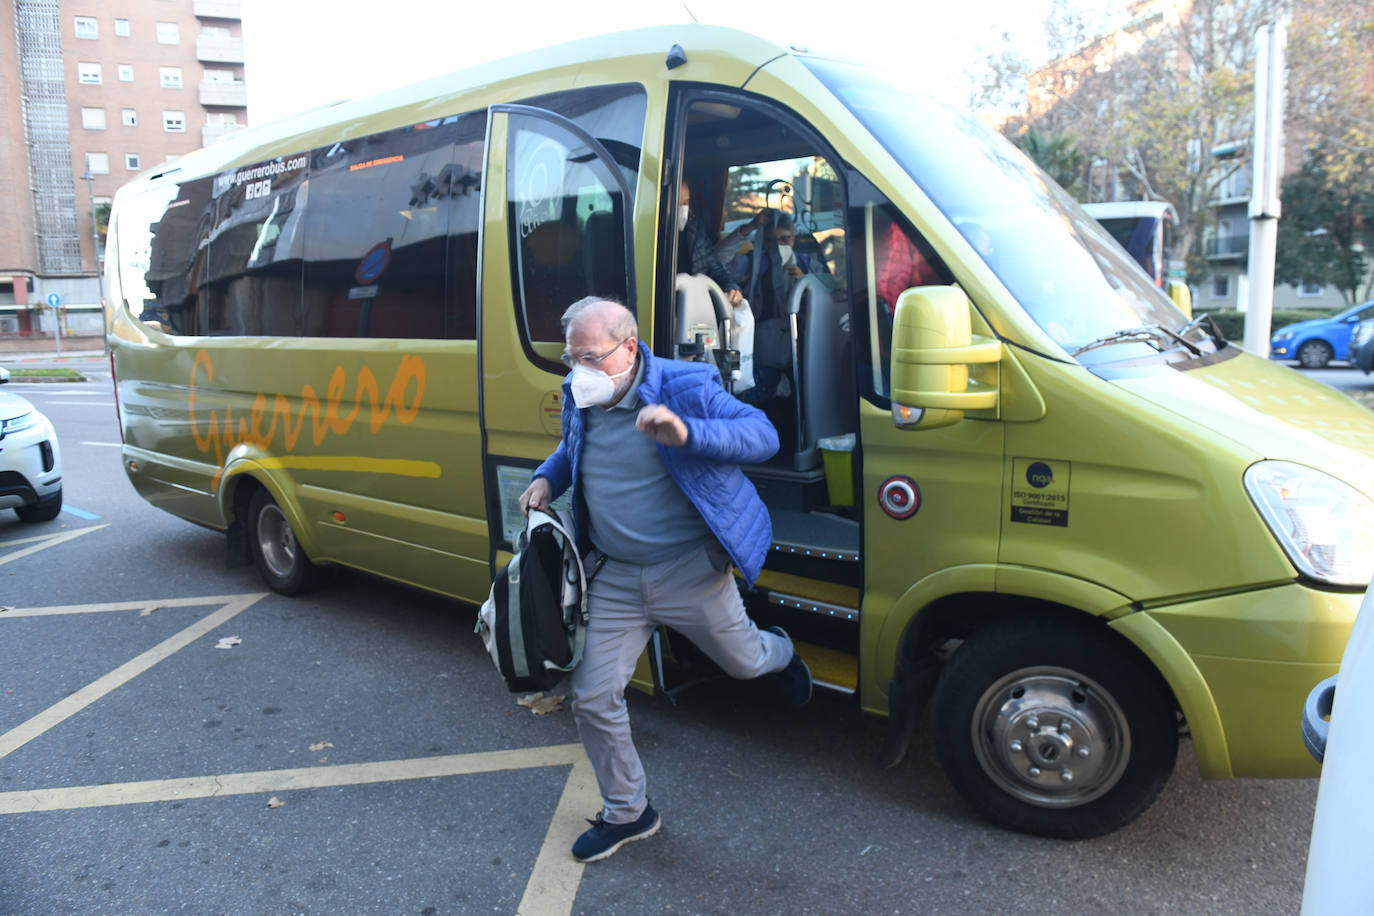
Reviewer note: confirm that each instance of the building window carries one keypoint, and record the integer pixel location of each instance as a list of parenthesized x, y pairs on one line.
[(219, 77), (214, 31), (87, 27), (171, 77), (1309, 290), (122, 28), (93, 118), (132, 162), (174, 122), (222, 119), (98, 163), (129, 117), (88, 73), (1221, 287), (168, 33), (126, 73)]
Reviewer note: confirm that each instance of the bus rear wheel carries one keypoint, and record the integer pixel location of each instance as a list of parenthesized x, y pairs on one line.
[(279, 557), (1058, 731)]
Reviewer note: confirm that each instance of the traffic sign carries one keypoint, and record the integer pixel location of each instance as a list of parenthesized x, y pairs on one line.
[(54, 300)]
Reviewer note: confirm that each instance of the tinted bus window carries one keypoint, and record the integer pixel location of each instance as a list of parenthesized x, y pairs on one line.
[(463, 188), (252, 284), (376, 229), (163, 241)]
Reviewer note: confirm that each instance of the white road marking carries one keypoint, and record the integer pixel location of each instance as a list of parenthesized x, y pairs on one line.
[(17, 737), (88, 403), (106, 444), (47, 541)]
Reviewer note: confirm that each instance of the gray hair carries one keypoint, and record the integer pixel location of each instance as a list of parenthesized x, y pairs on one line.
[(618, 321)]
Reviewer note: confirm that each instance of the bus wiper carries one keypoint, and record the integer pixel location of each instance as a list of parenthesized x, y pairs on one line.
[(1150, 333), (1217, 339)]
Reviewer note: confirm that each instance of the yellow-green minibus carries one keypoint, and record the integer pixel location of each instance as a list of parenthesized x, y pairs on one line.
[(1016, 485)]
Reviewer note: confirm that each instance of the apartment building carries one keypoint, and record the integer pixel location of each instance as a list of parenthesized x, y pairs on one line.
[(91, 93)]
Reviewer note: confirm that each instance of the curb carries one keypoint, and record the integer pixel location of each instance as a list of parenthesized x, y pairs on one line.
[(44, 379)]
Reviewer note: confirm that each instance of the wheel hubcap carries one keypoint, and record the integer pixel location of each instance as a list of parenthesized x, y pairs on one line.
[(276, 540), (1051, 737)]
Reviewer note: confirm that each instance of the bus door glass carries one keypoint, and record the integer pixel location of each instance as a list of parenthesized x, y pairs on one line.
[(557, 227)]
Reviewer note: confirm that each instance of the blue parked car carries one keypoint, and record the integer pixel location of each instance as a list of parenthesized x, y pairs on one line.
[(1316, 342)]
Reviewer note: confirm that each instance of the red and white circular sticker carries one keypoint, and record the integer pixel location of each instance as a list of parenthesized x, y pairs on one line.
[(900, 497)]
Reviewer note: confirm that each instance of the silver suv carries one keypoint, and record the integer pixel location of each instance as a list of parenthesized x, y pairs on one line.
[(30, 462)]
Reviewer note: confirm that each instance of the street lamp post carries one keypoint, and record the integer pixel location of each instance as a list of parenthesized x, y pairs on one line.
[(95, 248)]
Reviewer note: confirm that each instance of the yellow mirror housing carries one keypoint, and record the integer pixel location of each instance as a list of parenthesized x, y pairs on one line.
[(1182, 296), (932, 348)]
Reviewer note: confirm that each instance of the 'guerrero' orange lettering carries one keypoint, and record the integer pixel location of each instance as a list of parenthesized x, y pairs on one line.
[(219, 435)]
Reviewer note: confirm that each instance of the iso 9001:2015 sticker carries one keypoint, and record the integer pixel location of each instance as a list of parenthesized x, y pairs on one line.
[(1040, 491)]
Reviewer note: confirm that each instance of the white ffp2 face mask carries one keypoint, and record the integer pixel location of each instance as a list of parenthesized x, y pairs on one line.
[(681, 217), (785, 253), (592, 387)]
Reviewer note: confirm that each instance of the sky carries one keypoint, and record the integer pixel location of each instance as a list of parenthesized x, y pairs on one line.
[(300, 54)]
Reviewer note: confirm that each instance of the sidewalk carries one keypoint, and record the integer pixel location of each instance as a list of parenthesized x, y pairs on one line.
[(15, 350)]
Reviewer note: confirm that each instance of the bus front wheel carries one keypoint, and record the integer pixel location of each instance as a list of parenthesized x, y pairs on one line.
[(1058, 731), (280, 560)]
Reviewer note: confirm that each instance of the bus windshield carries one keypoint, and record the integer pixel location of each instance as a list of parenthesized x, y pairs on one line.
[(1068, 273)]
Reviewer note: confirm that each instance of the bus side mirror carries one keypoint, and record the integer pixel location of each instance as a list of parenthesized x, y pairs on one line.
[(932, 348), (1182, 296)]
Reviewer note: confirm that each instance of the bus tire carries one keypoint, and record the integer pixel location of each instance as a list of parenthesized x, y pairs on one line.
[(1053, 730), (279, 557)]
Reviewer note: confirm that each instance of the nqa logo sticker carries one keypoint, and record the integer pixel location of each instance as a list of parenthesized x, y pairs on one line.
[(1040, 492)]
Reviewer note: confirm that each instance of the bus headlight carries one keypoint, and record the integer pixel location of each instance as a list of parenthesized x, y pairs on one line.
[(1325, 526)]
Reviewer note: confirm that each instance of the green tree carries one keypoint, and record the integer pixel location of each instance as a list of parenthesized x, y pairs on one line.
[(1326, 232)]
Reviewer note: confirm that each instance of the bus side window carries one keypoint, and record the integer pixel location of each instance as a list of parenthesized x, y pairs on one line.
[(251, 278), (566, 221), (376, 231), (901, 259)]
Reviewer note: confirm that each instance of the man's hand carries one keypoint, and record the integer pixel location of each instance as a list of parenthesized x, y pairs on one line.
[(735, 297), (662, 425), (793, 270), (536, 496)]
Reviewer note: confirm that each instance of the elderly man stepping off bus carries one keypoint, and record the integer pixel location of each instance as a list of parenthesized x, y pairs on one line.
[(652, 449)]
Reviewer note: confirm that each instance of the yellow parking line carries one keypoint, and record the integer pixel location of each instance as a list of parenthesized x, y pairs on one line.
[(264, 781), (126, 606), (19, 736), (50, 541), (553, 882)]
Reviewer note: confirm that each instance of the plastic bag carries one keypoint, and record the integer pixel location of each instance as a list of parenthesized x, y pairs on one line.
[(742, 339)]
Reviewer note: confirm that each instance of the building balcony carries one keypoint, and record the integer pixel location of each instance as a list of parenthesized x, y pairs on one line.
[(219, 50), (218, 9), (213, 133), (224, 95), (1226, 248)]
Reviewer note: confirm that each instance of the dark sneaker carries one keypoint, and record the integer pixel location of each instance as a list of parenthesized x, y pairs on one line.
[(604, 839), (795, 679)]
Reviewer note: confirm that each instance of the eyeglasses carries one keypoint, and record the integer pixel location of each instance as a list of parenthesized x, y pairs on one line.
[(591, 362)]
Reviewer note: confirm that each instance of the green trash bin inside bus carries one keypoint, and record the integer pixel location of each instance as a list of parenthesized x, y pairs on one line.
[(837, 452)]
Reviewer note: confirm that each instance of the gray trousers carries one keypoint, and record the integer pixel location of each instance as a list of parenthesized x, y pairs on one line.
[(694, 594)]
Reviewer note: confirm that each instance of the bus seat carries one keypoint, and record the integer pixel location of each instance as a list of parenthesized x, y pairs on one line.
[(699, 308), (826, 398)]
